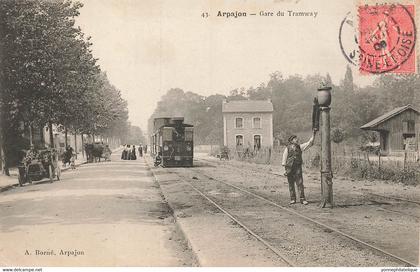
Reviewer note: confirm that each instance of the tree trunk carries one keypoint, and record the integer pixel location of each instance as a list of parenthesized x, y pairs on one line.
[(4, 166), (83, 145), (93, 138), (41, 131), (3, 159), (31, 140), (1, 148), (65, 137), (75, 143), (51, 134), (1, 154)]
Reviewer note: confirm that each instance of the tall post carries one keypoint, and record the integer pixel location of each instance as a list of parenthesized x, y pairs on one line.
[(326, 172), (324, 99)]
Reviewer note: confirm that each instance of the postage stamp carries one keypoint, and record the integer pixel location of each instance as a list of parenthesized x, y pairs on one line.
[(382, 38)]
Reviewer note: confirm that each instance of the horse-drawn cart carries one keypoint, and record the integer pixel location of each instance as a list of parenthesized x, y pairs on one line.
[(38, 165), (97, 151)]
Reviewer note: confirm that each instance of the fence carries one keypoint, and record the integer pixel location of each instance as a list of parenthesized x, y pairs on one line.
[(400, 167)]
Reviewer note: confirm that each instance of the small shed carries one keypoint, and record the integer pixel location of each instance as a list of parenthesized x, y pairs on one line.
[(399, 130)]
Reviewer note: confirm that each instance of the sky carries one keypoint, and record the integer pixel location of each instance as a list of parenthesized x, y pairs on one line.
[(147, 47)]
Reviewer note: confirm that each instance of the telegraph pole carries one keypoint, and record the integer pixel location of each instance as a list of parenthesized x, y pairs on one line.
[(324, 99)]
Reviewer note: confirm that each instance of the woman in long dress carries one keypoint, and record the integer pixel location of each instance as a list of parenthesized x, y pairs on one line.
[(133, 153)]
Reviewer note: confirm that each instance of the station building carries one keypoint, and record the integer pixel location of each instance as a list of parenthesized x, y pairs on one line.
[(247, 124)]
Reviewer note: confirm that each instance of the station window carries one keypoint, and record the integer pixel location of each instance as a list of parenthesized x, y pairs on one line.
[(257, 142), (409, 126), (239, 122), (239, 140), (256, 122)]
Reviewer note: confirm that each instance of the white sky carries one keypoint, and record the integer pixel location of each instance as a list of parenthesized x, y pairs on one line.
[(149, 46)]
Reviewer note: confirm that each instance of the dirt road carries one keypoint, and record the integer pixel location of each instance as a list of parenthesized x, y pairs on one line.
[(102, 214)]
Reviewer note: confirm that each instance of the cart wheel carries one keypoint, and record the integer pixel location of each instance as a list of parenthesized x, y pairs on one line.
[(51, 174)]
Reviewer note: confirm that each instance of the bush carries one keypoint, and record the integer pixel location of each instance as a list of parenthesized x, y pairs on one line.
[(391, 171), (409, 176), (316, 161)]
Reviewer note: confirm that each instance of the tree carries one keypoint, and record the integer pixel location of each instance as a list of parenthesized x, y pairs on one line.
[(328, 80), (337, 135), (49, 76), (204, 113), (348, 84), (135, 135)]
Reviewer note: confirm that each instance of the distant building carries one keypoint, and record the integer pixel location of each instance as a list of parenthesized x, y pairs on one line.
[(247, 124), (399, 130)]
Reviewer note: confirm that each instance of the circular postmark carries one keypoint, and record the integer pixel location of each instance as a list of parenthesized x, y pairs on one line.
[(380, 39)]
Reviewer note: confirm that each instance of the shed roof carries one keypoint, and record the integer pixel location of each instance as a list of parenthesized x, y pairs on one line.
[(248, 106), (375, 122)]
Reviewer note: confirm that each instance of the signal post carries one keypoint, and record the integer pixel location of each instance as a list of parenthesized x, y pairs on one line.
[(324, 100)]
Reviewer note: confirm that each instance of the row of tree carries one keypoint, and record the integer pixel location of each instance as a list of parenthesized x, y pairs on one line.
[(292, 98), (48, 76)]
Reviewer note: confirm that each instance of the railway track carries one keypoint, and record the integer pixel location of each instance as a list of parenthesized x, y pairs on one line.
[(237, 221), (290, 211), (395, 198), (368, 193), (286, 260), (399, 212)]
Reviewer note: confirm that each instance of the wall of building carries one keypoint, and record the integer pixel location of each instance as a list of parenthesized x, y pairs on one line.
[(395, 128), (59, 140), (248, 132)]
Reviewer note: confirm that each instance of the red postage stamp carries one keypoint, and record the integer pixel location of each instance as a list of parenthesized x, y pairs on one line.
[(387, 36)]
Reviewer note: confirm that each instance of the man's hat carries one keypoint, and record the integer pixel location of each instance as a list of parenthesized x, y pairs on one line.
[(291, 138)]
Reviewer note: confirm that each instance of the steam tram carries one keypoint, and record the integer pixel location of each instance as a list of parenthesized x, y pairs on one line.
[(172, 142)]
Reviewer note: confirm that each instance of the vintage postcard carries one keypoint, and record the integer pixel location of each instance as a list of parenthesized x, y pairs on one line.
[(209, 133)]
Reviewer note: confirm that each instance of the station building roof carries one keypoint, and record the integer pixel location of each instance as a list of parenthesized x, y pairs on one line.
[(385, 117), (247, 106)]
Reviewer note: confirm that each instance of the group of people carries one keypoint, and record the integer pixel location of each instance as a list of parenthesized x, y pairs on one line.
[(129, 152), (69, 157)]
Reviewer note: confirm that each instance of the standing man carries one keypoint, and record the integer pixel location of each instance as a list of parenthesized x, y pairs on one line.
[(292, 162), (140, 151)]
